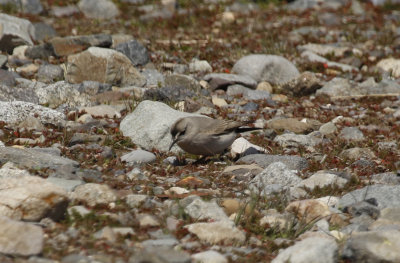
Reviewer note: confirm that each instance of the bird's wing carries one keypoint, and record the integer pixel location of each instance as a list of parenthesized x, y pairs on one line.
[(226, 126)]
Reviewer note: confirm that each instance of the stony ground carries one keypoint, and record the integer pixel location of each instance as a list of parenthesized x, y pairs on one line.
[(89, 90)]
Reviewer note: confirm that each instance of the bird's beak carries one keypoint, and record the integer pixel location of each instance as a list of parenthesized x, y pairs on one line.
[(174, 141)]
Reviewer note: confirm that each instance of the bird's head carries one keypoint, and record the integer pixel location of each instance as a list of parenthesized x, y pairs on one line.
[(178, 130)]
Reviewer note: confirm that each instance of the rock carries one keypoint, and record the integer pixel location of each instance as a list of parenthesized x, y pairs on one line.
[(223, 80), (390, 65), (62, 94), (135, 51), (7, 78), (200, 210), (42, 51), (217, 232), (67, 185), (82, 138), (375, 246), (43, 31), (33, 7), (93, 194), (219, 102), (383, 195), (275, 173), (154, 78), (98, 9), (103, 65), (357, 153), (247, 93), (177, 191), (199, 66), (209, 256), (14, 32), (138, 157), (32, 158), (30, 198), (313, 249), (102, 111), (323, 179), (147, 220), (27, 70), (305, 84), (312, 57), (271, 68), (49, 73), (61, 11), (65, 46), (385, 178), (273, 219), (156, 254), (168, 94), (326, 49), (30, 124), (344, 87), (242, 147), (302, 5), (328, 128), (309, 210), (148, 125), (288, 140), (292, 162), (290, 124), (136, 200), (19, 238), (351, 134), (182, 82)]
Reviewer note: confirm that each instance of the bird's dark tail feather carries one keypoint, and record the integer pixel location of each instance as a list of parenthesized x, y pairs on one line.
[(246, 129)]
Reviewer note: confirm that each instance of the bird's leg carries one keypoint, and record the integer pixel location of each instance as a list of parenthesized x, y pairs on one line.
[(202, 160)]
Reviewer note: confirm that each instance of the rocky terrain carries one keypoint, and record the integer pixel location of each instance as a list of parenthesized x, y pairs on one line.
[(89, 90)]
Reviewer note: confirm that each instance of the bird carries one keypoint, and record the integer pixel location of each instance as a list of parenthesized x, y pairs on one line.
[(206, 136)]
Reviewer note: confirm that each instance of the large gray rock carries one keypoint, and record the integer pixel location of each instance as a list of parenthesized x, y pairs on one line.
[(19, 238), (16, 111), (14, 32), (135, 51), (103, 65), (31, 198), (98, 9), (93, 194), (385, 196), (36, 158), (149, 125), (271, 68), (293, 162), (310, 250), (373, 246)]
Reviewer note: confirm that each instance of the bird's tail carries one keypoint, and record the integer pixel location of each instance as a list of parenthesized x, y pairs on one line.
[(246, 129)]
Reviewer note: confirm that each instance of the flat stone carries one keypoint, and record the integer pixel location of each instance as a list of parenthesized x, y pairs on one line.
[(93, 194), (271, 68), (30, 198), (200, 210), (313, 249), (376, 246), (292, 162), (19, 238), (103, 65), (64, 46), (98, 9), (217, 232), (103, 111), (209, 256), (223, 80), (290, 124), (323, 179), (384, 195), (138, 156)]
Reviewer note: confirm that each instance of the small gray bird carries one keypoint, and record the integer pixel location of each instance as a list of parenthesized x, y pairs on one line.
[(206, 136)]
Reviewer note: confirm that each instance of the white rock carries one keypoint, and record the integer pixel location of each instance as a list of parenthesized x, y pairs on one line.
[(217, 232), (243, 147), (199, 210), (104, 111), (323, 179), (390, 65), (177, 190), (94, 194), (209, 256)]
